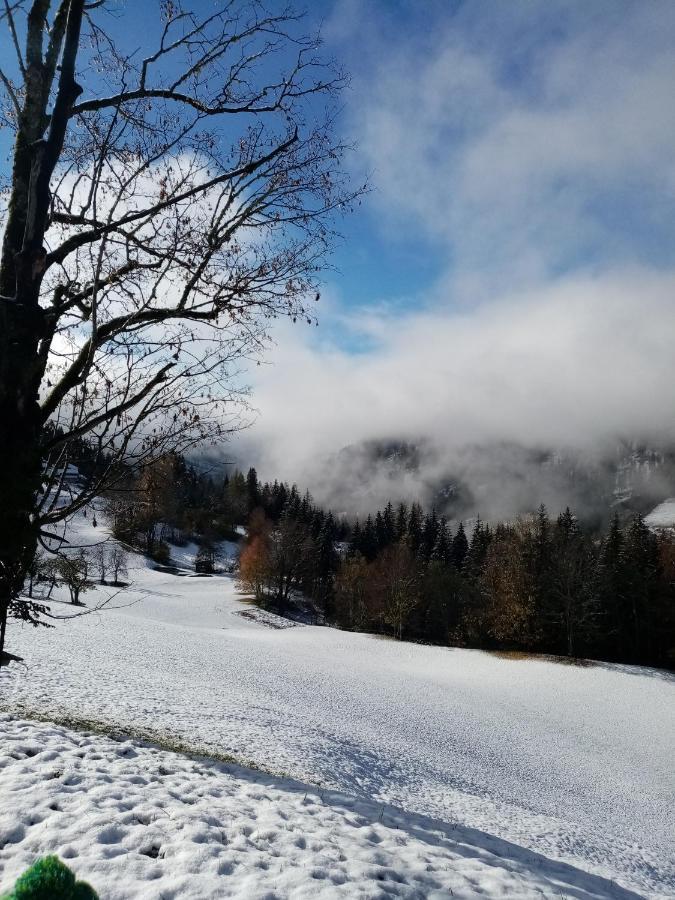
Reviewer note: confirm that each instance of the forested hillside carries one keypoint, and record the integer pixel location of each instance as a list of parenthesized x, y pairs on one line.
[(541, 583)]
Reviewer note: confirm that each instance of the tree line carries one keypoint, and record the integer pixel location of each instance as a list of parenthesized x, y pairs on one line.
[(538, 584)]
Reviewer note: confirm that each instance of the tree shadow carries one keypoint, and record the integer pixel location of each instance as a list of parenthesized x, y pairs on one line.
[(542, 873), (642, 671), (8, 658)]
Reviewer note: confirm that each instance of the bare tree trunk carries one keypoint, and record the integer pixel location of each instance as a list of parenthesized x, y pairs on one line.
[(4, 606), (570, 635), (22, 321)]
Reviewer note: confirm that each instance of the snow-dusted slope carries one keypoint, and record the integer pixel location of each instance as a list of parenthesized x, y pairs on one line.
[(571, 763), (144, 823), (663, 515)]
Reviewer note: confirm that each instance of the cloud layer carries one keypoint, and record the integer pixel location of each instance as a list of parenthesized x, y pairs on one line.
[(525, 142), (577, 364)]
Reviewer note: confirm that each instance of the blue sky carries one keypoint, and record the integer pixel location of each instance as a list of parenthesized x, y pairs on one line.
[(510, 275), (432, 85), (447, 82)]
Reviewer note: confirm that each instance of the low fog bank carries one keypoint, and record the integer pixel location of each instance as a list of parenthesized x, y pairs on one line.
[(562, 395), (496, 482)]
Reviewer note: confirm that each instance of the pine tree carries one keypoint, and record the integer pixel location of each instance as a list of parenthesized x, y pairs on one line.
[(639, 589), (356, 540), (326, 565), (475, 557), (252, 489), (369, 540), (388, 525), (401, 527), (460, 548), (429, 536), (570, 611), (380, 536), (415, 528), (441, 552), (305, 514)]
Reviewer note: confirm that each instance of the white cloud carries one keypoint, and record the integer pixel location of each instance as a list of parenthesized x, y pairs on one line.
[(505, 153), (570, 364)]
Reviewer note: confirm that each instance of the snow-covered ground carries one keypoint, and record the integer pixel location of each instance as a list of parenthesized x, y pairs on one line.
[(663, 515), (528, 760), (145, 823), (227, 552)]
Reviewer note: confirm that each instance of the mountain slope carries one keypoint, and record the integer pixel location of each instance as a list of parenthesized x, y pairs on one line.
[(571, 763)]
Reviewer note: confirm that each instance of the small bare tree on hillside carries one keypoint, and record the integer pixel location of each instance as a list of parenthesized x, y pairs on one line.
[(100, 559), (74, 572), (118, 562)]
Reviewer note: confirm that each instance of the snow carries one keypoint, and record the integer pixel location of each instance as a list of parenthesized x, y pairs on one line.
[(663, 515), (137, 821), (529, 760), (184, 556)]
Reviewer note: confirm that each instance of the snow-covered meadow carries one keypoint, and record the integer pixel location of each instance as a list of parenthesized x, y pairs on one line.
[(455, 770), (145, 823)]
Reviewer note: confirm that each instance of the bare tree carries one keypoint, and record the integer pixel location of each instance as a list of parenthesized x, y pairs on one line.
[(291, 555), (35, 570), (118, 561), (351, 593), (73, 571), (397, 581), (100, 558), (151, 232)]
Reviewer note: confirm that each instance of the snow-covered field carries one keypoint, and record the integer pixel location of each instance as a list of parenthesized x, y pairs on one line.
[(521, 762), (144, 823)]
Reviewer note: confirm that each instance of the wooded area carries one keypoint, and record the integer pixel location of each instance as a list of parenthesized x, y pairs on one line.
[(538, 584)]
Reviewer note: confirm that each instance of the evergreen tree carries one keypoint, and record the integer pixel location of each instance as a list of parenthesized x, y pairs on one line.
[(305, 514), (380, 536), (639, 589), (279, 498), (441, 552), (429, 536), (356, 540), (569, 613), (401, 527), (326, 565), (460, 548), (388, 525), (475, 557), (252, 489), (369, 540), (415, 528)]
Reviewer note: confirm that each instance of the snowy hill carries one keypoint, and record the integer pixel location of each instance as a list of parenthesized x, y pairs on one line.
[(567, 763), (142, 822), (549, 773)]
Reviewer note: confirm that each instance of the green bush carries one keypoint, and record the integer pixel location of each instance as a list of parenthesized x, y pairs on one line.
[(50, 879)]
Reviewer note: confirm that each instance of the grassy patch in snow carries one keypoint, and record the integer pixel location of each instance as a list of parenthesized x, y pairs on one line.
[(543, 657), (146, 736)]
